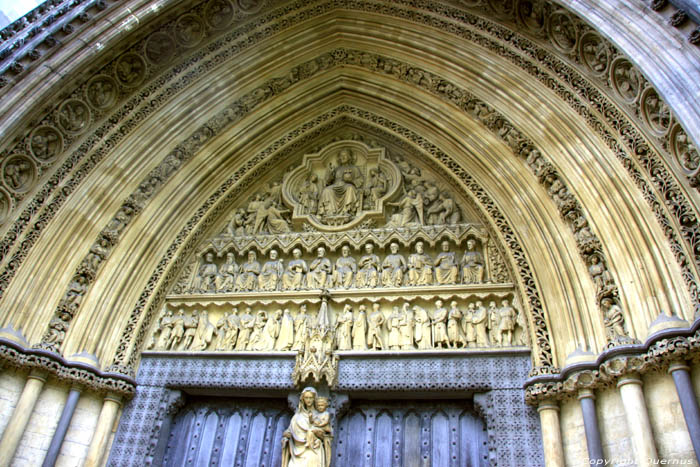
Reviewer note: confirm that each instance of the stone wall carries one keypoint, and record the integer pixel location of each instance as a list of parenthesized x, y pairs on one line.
[(670, 432), (37, 436)]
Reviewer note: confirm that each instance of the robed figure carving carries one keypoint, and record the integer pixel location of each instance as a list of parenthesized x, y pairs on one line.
[(341, 195), (306, 443)]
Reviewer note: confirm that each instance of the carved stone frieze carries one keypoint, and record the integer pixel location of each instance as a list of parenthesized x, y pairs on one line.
[(558, 32), (311, 267), (422, 322)]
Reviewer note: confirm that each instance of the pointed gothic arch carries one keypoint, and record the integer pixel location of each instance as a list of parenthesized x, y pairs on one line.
[(583, 172)]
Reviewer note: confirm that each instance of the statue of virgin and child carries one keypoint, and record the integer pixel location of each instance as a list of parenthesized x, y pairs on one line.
[(307, 441)]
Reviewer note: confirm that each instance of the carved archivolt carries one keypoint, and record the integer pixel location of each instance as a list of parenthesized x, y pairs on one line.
[(127, 70), (589, 245), (539, 18)]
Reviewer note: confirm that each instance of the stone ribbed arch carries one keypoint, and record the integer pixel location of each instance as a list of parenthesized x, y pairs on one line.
[(129, 172), (550, 217)]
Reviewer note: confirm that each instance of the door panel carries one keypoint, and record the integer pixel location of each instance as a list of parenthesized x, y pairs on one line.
[(410, 434), (228, 432)]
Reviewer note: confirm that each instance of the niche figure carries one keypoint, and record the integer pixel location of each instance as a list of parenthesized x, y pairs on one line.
[(319, 270), (393, 267), (205, 281), (368, 275), (293, 277), (359, 330), (446, 269), (420, 267), (374, 330), (472, 264), (345, 269), (341, 197), (250, 270), (439, 318), (226, 279), (271, 273)]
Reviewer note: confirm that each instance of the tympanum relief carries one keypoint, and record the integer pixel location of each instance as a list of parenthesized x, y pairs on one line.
[(353, 249)]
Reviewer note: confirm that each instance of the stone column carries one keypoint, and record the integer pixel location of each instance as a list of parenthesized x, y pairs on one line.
[(551, 434), (62, 428), (105, 422), (681, 376), (630, 387), (590, 423), (20, 416)]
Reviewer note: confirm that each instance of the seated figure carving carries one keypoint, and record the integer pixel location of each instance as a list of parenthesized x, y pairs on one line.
[(294, 276), (368, 275), (271, 273), (446, 269), (248, 278), (420, 267), (472, 264), (393, 267), (205, 281), (341, 196), (345, 269), (226, 280), (319, 270)]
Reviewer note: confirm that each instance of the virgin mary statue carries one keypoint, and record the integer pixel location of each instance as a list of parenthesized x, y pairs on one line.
[(304, 443)]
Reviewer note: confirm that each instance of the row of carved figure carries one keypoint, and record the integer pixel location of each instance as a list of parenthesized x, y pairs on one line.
[(404, 328), (368, 272)]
